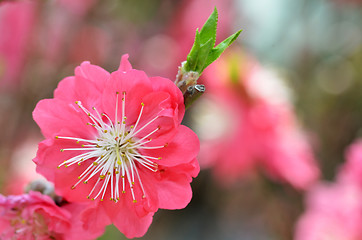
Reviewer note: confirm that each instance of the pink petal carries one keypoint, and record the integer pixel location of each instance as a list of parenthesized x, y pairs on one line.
[(94, 73), (53, 115), (173, 188), (95, 219), (135, 84), (126, 218), (125, 65), (176, 97), (78, 88), (184, 146)]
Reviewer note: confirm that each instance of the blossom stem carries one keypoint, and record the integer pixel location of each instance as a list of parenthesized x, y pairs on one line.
[(192, 94)]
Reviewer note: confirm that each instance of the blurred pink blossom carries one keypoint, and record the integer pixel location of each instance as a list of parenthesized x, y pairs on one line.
[(22, 169), (79, 7), (36, 216), (250, 124), (90, 43), (16, 23), (118, 133), (334, 211), (351, 171)]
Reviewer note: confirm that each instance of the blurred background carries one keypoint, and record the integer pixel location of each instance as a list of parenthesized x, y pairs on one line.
[(281, 105)]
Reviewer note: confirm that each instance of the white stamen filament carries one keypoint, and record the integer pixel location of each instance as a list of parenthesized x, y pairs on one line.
[(114, 154)]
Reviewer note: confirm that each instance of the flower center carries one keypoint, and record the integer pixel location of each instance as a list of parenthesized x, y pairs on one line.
[(115, 153), (35, 224)]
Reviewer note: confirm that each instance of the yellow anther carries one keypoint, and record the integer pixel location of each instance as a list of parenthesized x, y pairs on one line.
[(122, 99), (123, 191), (124, 122), (77, 141), (101, 199), (62, 150), (105, 131), (111, 199), (117, 92), (85, 182), (95, 163), (88, 114), (159, 158), (65, 165), (134, 201), (82, 145), (92, 199), (93, 108), (79, 164), (58, 167), (102, 176), (78, 177), (132, 127), (132, 183), (124, 117), (73, 187), (56, 137), (117, 172), (88, 197), (108, 173), (142, 104), (122, 176)]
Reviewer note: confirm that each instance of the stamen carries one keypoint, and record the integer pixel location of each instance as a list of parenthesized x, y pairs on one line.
[(112, 155)]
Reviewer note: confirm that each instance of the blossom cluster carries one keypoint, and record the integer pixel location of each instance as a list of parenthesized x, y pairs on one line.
[(114, 146), (334, 210)]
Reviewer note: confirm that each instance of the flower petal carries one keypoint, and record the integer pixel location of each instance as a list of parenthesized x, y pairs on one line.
[(94, 73), (183, 148), (125, 64)]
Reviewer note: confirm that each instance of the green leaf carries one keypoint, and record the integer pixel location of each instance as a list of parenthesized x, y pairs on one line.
[(203, 52), (202, 55), (208, 31), (219, 49)]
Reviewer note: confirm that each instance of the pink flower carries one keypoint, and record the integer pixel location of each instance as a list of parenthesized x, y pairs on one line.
[(334, 211), (247, 123), (16, 23), (116, 139), (351, 171), (36, 216)]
